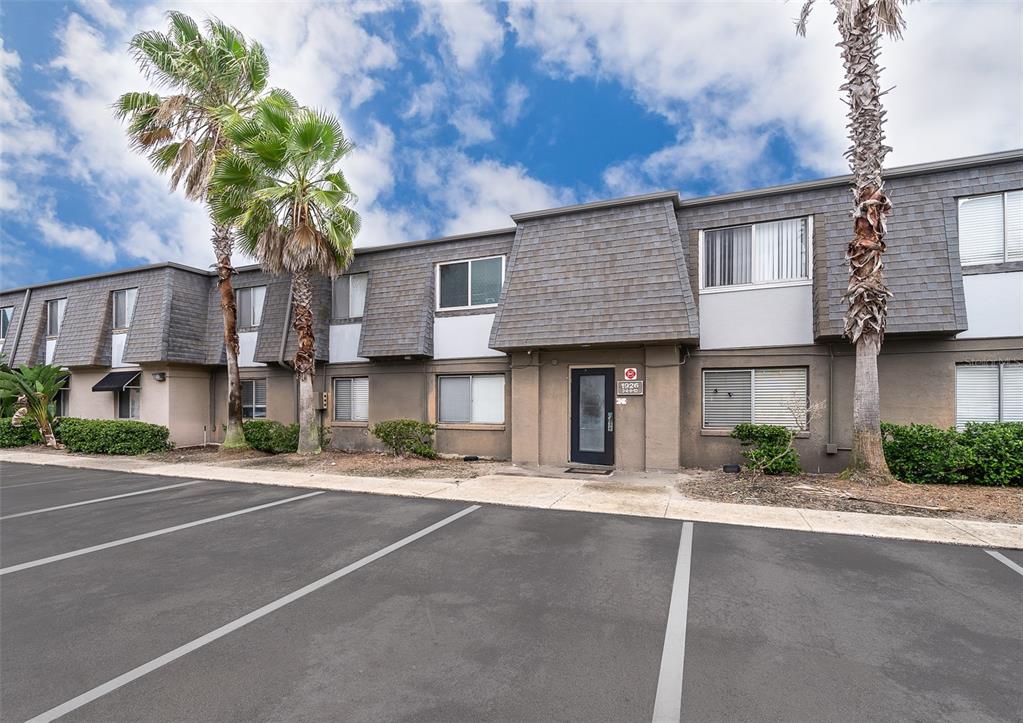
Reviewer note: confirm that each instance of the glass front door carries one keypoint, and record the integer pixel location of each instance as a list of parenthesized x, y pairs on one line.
[(593, 440)]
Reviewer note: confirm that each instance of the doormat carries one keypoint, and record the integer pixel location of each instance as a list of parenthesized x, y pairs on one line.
[(589, 470)]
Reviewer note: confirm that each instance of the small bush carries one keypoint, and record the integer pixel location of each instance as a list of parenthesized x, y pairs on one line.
[(112, 436), (984, 454), (771, 451), (407, 436), (272, 437), (11, 436)]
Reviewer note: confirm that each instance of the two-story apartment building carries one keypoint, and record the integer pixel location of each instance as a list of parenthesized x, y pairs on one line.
[(632, 333)]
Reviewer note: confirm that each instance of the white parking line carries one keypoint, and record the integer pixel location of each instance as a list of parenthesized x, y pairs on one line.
[(1003, 559), (156, 663), (668, 700), (147, 535), (100, 499)]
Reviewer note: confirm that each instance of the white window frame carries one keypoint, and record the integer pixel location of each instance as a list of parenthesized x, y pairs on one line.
[(129, 313), (469, 286), (252, 307), (1000, 389), (254, 406), (470, 377), (60, 320), (63, 399), (808, 281), (804, 428), (134, 388), (333, 402), (3, 334), (1005, 225)]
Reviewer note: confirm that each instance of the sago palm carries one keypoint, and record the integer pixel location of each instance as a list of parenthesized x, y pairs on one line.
[(284, 192), (182, 134), (32, 392), (861, 23)]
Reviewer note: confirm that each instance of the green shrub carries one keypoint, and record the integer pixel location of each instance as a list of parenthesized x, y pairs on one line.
[(273, 437), (11, 436), (997, 453), (112, 436), (984, 454), (407, 436), (767, 448)]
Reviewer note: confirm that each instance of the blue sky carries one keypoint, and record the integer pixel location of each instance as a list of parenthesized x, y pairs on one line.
[(464, 113)]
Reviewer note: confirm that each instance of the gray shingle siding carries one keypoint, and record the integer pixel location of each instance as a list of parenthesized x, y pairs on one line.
[(275, 311), (605, 276)]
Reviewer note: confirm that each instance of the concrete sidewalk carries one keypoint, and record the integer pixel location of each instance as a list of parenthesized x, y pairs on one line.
[(584, 495)]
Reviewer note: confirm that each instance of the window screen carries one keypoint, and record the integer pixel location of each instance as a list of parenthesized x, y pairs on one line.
[(124, 307), (350, 296), (470, 283), (761, 396), (485, 281), (454, 285), (250, 306), (989, 393), (54, 316), (254, 398), (475, 399), (351, 399)]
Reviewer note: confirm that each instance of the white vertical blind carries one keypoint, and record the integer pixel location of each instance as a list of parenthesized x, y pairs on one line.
[(727, 398), (1014, 226), (488, 399), (258, 296), (343, 400), (981, 231), (976, 393), (728, 256), (360, 399), (357, 295), (454, 399), (781, 250), (779, 397), (351, 399), (1012, 392)]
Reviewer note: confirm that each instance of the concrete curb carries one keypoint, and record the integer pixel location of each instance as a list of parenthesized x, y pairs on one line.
[(577, 495)]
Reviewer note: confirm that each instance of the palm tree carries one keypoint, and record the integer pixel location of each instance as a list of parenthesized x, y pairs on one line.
[(33, 391), (283, 190), (861, 23), (182, 134)]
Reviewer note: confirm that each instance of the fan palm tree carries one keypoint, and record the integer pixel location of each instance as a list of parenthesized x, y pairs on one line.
[(283, 190), (861, 24), (182, 134), (33, 391)]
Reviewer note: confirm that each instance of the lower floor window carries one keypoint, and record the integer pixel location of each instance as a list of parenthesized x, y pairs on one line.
[(758, 396), (351, 399), (989, 393), (254, 398), (128, 403), (62, 402), (473, 399)]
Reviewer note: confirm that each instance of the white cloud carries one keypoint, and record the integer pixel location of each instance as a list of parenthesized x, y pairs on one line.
[(515, 96), (472, 127), (77, 238), (470, 29)]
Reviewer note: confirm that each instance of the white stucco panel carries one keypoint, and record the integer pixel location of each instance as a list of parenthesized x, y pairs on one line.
[(463, 337), (247, 349), (51, 347), (117, 342), (994, 304), (344, 343), (775, 316)]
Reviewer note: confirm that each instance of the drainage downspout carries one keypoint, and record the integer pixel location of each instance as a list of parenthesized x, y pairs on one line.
[(21, 325), (831, 393)]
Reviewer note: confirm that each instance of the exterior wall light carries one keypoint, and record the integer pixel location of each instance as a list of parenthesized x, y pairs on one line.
[(160, 376)]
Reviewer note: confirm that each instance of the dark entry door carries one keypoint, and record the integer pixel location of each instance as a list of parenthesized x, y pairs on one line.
[(593, 416)]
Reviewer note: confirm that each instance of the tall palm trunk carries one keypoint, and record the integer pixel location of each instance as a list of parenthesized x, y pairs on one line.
[(867, 294), (305, 363), (222, 247)]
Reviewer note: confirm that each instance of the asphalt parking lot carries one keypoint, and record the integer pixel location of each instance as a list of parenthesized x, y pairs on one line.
[(135, 598)]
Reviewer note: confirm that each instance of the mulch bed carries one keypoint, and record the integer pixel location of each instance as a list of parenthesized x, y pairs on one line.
[(830, 492)]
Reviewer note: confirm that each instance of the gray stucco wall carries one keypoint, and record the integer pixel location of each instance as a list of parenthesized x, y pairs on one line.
[(778, 316)]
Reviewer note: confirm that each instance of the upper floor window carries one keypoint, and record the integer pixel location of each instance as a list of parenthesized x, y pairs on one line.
[(55, 316), (350, 296), (991, 228), (6, 315), (465, 284), (124, 307), (757, 396), (250, 306), (254, 398), (989, 393), (760, 253)]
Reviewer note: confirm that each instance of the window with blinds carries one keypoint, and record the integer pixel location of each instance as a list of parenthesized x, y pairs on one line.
[(351, 399), (991, 228), (250, 306), (124, 307), (989, 393), (760, 396), (473, 399), (760, 253), (254, 398), (350, 296)]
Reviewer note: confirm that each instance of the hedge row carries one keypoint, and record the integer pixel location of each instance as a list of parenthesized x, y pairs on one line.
[(983, 454), (407, 436), (112, 436), (269, 436), (11, 436)]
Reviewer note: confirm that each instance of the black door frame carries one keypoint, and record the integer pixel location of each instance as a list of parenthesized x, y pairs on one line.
[(607, 458)]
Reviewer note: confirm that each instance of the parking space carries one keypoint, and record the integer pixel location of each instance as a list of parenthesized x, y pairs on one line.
[(308, 610)]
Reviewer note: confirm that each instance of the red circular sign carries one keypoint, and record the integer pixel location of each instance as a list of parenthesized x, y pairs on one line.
[(630, 373)]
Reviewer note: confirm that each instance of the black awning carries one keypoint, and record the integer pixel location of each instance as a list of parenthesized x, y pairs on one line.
[(115, 381)]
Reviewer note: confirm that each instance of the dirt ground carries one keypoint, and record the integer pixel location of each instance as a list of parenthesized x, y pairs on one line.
[(830, 492), (358, 464)]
